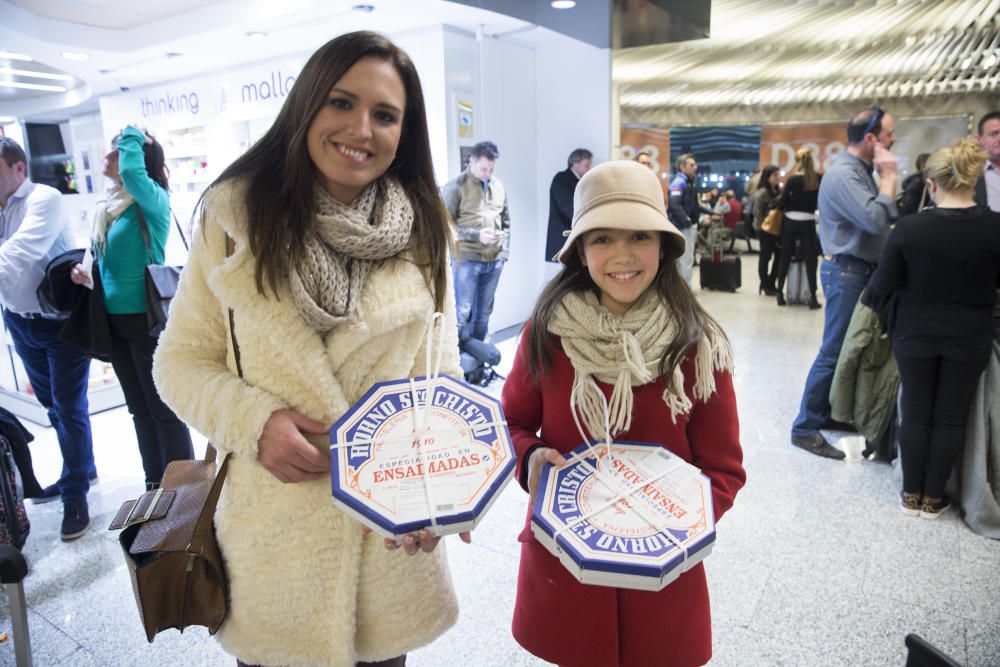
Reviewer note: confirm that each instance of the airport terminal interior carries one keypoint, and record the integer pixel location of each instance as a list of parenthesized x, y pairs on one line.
[(815, 564)]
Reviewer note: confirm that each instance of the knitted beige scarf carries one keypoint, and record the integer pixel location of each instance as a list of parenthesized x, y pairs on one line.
[(107, 212), (624, 351), (343, 246)]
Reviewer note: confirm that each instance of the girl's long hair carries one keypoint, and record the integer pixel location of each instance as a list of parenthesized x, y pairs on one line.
[(765, 179), (690, 318), (280, 176), (805, 164)]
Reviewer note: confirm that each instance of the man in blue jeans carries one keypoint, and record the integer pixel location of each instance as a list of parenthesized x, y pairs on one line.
[(34, 230), (477, 203), (854, 218)]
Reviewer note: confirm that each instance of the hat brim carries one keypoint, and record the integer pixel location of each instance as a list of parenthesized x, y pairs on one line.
[(628, 216)]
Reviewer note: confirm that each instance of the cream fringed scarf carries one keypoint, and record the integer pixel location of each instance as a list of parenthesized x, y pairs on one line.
[(342, 247), (625, 351), (118, 200)]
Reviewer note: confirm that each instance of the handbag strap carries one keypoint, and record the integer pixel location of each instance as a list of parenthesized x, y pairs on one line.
[(207, 516), (179, 230), (144, 230)]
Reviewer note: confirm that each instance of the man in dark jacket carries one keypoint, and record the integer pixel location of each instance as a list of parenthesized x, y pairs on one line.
[(561, 199), (988, 185), (684, 210)]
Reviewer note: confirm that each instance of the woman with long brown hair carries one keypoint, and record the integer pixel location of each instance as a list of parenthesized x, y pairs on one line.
[(799, 204), (339, 257)]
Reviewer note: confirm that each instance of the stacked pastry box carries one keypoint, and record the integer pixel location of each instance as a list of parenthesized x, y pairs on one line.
[(421, 453), (632, 515)]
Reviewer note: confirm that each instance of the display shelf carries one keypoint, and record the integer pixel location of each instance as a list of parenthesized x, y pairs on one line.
[(103, 390)]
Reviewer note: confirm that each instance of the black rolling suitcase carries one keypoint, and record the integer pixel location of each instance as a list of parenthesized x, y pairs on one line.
[(725, 275)]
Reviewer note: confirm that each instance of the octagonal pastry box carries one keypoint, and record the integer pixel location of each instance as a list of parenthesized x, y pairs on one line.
[(415, 454), (637, 519)]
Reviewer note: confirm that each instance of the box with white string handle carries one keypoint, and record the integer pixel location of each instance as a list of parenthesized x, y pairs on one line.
[(630, 515), (427, 452)]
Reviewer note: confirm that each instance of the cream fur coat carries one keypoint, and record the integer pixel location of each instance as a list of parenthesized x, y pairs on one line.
[(306, 587)]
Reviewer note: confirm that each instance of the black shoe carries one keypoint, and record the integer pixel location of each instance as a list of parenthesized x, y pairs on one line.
[(781, 299), (47, 495), (814, 304), (51, 492), (815, 443), (76, 519)]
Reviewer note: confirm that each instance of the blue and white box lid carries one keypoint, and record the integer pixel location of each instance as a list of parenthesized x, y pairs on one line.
[(415, 454), (635, 519)]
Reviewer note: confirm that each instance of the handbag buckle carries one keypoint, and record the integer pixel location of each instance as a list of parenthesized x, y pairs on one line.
[(129, 521)]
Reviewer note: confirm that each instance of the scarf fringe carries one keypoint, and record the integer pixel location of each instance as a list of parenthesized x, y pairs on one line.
[(624, 352)]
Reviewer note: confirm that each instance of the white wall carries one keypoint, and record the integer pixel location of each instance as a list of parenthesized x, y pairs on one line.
[(537, 103), (509, 111), (426, 49), (574, 111)]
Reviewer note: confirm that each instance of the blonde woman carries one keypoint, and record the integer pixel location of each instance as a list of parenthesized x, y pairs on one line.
[(942, 266), (799, 203)]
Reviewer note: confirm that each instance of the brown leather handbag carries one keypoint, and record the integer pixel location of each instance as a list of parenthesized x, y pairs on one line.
[(168, 537), (178, 576)]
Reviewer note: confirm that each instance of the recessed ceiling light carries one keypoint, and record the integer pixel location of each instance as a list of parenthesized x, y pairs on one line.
[(9, 55), (563, 4), (33, 86), (75, 55), (256, 34), (7, 119), (364, 9), (35, 75), (173, 54)]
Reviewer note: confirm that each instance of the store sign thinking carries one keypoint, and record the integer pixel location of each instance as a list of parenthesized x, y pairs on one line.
[(277, 86), (169, 104)]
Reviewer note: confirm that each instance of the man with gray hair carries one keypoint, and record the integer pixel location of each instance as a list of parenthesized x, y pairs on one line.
[(34, 230), (561, 199)]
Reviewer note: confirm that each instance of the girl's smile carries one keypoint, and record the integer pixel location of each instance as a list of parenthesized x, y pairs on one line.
[(622, 263)]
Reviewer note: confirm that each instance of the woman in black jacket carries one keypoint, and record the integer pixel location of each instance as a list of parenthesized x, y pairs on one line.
[(942, 266), (763, 199), (799, 204)]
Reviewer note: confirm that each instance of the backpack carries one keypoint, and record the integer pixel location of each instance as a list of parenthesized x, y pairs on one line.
[(478, 360), (14, 524)]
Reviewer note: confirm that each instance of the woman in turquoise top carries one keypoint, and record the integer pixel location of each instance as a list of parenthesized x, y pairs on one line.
[(136, 166)]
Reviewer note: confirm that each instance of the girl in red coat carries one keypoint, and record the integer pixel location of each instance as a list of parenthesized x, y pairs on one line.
[(619, 320)]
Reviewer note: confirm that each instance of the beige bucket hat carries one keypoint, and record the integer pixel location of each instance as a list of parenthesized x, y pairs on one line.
[(621, 194)]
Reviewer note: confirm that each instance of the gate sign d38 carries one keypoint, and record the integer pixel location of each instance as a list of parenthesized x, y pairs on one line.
[(637, 521), (420, 454)]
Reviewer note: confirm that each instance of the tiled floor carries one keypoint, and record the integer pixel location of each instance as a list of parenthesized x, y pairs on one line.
[(814, 565)]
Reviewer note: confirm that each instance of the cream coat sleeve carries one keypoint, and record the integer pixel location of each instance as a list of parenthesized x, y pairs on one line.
[(194, 369)]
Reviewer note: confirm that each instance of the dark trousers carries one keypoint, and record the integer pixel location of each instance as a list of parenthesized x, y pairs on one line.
[(399, 661), (161, 435), (803, 231), (936, 393), (58, 374), (768, 251)]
